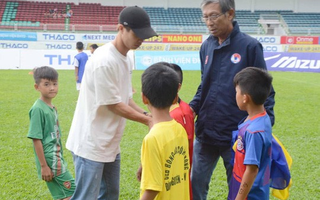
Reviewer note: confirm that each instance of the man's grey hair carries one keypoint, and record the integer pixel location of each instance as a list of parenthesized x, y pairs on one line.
[(225, 5)]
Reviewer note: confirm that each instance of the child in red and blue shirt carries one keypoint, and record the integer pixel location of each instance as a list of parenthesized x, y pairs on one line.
[(252, 162)]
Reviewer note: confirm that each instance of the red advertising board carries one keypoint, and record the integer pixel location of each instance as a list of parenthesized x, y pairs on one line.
[(299, 40)]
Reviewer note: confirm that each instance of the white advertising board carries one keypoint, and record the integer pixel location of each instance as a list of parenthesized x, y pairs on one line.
[(273, 48), (10, 58), (267, 39), (74, 37), (30, 58), (37, 45)]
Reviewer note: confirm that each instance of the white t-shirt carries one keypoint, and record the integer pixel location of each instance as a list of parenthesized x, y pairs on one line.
[(96, 132)]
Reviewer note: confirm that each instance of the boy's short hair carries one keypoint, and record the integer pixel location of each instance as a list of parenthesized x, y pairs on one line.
[(176, 68), (255, 82), (94, 46), (44, 72), (79, 46), (160, 85)]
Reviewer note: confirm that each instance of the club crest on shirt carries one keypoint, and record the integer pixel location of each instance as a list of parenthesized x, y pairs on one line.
[(67, 184), (207, 57), (239, 144), (235, 58)]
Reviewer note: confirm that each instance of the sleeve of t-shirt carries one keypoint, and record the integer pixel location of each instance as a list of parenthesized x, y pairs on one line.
[(106, 86), (253, 145), (76, 62), (36, 124), (132, 67), (152, 176)]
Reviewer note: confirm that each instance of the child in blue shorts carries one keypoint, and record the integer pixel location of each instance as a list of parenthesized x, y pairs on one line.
[(45, 133)]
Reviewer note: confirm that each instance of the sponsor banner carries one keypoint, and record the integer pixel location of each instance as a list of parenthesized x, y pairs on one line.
[(63, 59), (155, 39), (299, 62), (186, 60), (182, 38), (69, 37), (273, 48), (18, 36), (152, 47), (28, 59), (59, 59), (261, 39), (299, 40), (267, 39), (304, 48), (169, 47), (175, 39), (14, 45), (55, 45), (184, 47), (36, 45), (98, 37), (65, 37)]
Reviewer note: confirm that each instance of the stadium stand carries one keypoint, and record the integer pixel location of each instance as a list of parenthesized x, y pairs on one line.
[(34, 15), (302, 23), (176, 20), (248, 22)]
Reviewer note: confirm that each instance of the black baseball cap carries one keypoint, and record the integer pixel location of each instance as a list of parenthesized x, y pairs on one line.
[(138, 20)]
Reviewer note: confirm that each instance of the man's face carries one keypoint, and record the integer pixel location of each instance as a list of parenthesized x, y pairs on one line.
[(130, 40), (217, 22)]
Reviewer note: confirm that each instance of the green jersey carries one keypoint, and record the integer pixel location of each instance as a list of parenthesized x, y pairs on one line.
[(44, 125)]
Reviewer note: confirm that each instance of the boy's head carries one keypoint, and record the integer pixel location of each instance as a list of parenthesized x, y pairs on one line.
[(46, 82), (176, 68), (79, 46), (159, 85), (93, 47), (254, 82), (44, 72)]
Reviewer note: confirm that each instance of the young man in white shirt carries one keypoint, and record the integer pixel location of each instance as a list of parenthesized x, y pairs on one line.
[(104, 104)]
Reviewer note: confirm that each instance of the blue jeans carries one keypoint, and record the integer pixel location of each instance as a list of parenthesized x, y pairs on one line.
[(205, 159), (96, 180)]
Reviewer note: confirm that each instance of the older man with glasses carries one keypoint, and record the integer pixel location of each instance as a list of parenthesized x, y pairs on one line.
[(226, 52)]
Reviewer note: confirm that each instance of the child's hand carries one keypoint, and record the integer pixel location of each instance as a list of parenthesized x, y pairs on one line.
[(46, 173), (194, 114), (139, 173)]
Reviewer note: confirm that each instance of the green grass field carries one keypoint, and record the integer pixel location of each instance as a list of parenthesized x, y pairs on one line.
[(297, 126)]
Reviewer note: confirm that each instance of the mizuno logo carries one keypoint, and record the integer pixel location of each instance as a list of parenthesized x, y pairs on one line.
[(294, 62)]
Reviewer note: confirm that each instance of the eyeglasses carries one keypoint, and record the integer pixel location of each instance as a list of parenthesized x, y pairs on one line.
[(211, 17)]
